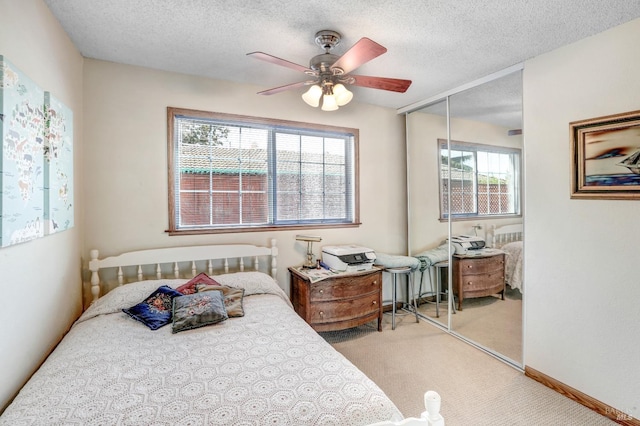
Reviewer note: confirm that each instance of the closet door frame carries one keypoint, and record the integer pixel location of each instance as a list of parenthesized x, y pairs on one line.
[(445, 96)]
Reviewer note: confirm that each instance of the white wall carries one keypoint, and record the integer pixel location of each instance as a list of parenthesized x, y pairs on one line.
[(40, 280), (125, 161), (582, 309)]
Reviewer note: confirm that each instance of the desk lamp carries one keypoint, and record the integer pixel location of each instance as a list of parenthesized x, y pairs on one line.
[(310, 239)]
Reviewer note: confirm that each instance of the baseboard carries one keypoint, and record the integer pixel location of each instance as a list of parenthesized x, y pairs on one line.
[(389, 307), (616, 415)]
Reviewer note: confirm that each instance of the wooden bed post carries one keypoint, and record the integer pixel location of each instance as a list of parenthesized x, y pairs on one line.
[(493, 235), (274, 259), (95, 278)]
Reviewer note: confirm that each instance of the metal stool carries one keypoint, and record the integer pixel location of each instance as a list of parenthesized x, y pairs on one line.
[(438, 270), (439, 291), (408, 272)]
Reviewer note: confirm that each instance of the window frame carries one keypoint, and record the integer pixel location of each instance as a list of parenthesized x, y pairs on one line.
[(478, 147), (173, 229)]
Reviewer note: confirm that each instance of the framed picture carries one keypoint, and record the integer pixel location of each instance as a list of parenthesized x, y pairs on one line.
[(605, 157)]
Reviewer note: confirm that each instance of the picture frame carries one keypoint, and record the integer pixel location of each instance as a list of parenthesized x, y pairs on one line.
[(605, 157)]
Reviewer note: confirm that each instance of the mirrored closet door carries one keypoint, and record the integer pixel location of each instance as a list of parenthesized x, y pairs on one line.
[(464, 156), (427, 235)]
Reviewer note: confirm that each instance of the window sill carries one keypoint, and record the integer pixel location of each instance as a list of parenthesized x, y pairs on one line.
[(271, 228)]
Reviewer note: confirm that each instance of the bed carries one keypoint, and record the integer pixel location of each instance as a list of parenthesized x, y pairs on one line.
[(266, 366), (509, 239)]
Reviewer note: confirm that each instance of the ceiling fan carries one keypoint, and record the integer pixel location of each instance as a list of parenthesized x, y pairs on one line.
[(331, 72)]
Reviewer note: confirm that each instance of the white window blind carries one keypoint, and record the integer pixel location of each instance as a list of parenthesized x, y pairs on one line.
[(229, 174), (481, 180)]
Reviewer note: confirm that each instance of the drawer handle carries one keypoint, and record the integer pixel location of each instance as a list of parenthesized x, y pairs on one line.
[(375, 302), (469, 266), (320, 291), (470, 282), (321, 313), (375, 282)]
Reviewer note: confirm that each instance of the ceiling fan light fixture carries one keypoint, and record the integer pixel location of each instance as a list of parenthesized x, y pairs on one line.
[(331, 72), (312, 96), (329, 103), (342, 94)]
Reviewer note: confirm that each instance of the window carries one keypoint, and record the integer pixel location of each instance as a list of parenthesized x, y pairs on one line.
[(229, 173), (485, 180)]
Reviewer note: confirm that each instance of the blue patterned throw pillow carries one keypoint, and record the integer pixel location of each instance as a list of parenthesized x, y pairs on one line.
[(197, 310), (155, 310)]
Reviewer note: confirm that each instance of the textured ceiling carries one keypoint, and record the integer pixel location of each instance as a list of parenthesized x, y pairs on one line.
[(438, 44), (497, 102)]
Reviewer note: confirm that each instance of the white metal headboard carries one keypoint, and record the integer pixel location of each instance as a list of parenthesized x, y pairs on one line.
[(505, 234), (173, 255)]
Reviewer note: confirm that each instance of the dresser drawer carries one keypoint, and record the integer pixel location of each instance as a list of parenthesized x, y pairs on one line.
[(343, 310), (344, 288), (480, 265), (483, 283)]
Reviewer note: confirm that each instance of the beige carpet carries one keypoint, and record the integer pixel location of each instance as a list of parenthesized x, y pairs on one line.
[(488, 321), (476, 389)]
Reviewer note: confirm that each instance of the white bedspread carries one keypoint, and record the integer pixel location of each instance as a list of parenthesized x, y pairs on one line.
[(513, 264), (268, 367)]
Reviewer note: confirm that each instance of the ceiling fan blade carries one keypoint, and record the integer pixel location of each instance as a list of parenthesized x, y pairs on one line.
[(274, 60), (283, 88), (361, 52), (383, 83)]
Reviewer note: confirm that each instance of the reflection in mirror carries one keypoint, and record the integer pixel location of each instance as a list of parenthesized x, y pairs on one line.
[(484, 167), (427, 235), (464, 178)]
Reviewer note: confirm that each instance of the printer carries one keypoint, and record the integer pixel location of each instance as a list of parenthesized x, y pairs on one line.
[(348, 258), (463, 243)]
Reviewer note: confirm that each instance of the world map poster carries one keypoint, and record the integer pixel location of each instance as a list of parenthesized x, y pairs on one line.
[(22, 124), (58, 165)]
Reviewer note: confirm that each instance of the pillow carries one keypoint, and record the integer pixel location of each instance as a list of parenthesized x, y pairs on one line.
[(197, 310), (190, 286), (155, 310), (232, 298)]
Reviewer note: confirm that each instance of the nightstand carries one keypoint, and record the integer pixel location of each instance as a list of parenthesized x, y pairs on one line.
[(338, 302), (478, 276)]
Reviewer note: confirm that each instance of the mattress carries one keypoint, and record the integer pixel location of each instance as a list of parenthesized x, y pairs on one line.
[(266, 367)]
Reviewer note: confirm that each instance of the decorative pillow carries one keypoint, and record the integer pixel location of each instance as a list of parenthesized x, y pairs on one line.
[(232, 298), (197, 310), (155, 310), (190, 286)]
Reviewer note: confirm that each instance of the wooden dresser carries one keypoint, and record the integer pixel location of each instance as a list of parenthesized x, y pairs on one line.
[(478, 276), (339, 302)]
